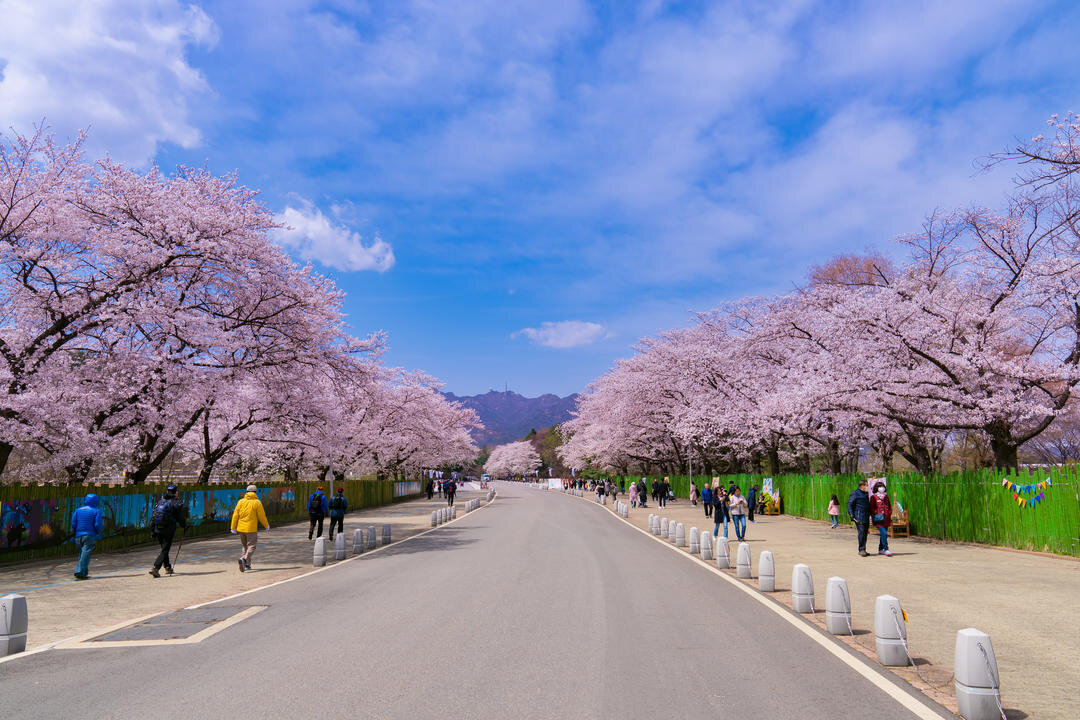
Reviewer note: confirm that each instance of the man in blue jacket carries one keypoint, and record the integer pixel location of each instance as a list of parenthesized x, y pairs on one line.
[(87, 524), (338, 507), (858, 509), (316, 510)]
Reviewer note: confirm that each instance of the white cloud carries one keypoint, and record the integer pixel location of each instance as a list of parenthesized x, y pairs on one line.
[(565, 334), (312, 236), (116, 68)]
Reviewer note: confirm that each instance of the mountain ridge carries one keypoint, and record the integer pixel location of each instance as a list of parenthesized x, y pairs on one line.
[(509, 416)]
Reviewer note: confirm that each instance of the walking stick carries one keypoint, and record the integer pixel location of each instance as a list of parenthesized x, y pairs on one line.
[(179, 546)]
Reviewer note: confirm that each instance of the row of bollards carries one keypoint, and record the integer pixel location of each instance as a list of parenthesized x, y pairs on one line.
[(13, 624), (975, 666), (361, 541)]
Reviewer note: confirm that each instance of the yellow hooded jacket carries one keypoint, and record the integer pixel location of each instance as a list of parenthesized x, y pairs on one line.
[(249, 514)]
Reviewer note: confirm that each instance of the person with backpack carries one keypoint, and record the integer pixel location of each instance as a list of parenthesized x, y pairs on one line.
[(169, 512), (87, 524), (316, 510), (338, 507), (858, 509), (451, 490), (246, 519)]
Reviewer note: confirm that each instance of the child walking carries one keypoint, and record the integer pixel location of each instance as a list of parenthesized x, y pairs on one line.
[(834, 511)]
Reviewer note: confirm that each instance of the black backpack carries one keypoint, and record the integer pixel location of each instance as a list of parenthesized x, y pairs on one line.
[(162, 518), (337, 503), (314, 505)]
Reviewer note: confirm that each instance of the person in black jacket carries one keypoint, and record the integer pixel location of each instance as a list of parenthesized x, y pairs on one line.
[(751, 502), (168, 514), (720, 511), (858, 509), (662, 491), (430, 489), (451, 490)]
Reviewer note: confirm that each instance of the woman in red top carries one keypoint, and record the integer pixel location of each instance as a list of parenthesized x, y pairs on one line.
[(881, 515)]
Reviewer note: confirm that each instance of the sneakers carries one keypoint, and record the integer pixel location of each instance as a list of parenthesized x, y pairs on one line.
[(154, 572), (168, 571), (81, 577), (887, 553), (863, 553), (247, 565), (240, 562)]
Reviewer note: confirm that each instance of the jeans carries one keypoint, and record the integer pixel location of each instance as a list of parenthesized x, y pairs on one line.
[(740, 526), (86, 544), (862, 529), (315, 519), (883, 539), (663, 501), (340, 523), (835, 520), (165, 541), (716, 527)]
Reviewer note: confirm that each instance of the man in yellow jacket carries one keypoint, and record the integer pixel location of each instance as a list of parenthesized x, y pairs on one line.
[(246, 519)]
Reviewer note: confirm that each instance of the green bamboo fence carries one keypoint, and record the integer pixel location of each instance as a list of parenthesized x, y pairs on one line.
[(970, 506)]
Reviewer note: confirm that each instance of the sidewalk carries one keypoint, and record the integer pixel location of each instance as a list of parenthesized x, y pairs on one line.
[(120, 589), (1026, 602)]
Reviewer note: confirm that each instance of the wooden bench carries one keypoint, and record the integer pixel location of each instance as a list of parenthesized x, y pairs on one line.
[(900, 524)]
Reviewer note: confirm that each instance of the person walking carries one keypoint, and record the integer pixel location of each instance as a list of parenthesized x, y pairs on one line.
[(706, 499), (858, 509), (662, 491), (430, 488), (338, 507), (642, 493), (656, 491), (87, 524), (751, 502), (633, 495), (834, 511), (693, 494), (881, 515), (451, 490), (720, 511), (737, 508), (247, 516), (316, 509), (169, 513)]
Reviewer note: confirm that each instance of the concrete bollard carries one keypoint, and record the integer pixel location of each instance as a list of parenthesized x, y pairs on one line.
[(320, 552), (975, 668), (680, 535), (695, 540), (672, 528), (802, 588), (386, 534), (723, 553), (14, 622), (663, 527), (890, 632), (434, 518), (652, 520), (837, 607), (371, 537), (339, 546), (742, 561), (706, 545), (766, 572), (357, 541)]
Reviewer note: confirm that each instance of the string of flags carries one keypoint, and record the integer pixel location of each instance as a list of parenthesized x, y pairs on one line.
[(1019, 490)]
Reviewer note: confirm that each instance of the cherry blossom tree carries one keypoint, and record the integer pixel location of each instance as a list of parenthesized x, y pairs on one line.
[(516, 458)]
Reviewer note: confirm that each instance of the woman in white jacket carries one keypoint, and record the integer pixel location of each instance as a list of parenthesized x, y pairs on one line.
[(737, 507)]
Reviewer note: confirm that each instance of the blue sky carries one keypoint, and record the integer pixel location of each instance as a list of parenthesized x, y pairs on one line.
[(517, 191)]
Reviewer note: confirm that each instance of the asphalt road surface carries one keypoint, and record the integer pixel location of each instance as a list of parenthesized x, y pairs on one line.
[(539, 606)]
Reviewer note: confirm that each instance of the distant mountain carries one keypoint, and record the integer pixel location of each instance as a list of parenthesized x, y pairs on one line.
[(508, 416)]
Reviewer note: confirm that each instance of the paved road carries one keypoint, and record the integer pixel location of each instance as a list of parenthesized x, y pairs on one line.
[(540, 606)]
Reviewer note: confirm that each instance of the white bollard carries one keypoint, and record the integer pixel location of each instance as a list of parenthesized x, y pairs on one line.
[(837, 607), (680, 535), (723, 553), (766, 572), (386, 534), (652, 520), (672, 529), (695, 540), (371, 537), (663, 527), (976, 671), (14, 623), (802, 588), (434, 518), (339, 546), (320, 552), (706, 545), (742, 560), (357, 541), (890, 631)]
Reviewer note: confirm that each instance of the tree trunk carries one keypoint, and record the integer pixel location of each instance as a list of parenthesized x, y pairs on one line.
[(77, 472), (773, 457), (1004, 447), (5, 454), (833, 452)]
